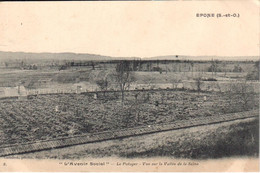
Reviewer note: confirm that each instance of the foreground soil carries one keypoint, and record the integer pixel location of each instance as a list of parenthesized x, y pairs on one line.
[(229, 139), (47, 117)]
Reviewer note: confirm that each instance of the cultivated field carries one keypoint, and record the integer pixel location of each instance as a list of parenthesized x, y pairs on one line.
[(229, 139), (45, 117), (66, 99)]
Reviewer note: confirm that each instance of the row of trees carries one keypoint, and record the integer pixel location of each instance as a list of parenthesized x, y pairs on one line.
[(123, 77)]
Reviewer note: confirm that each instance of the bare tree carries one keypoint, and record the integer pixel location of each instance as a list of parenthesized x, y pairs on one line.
[(214, 67), (245, 93), (198, 83), (192, 65), (224, 65), (241, 95), (150, 81), (103, 85), (175, 82), (123, 77)]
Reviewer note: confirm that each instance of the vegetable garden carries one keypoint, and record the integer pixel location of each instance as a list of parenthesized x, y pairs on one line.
[(45, 117)]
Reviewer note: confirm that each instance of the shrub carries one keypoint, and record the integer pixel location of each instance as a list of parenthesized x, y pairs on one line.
[(209, 79), (254, 75)]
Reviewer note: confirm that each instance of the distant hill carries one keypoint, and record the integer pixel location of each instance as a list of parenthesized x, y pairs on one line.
[(203, 58), (57, 56), (94, 57)]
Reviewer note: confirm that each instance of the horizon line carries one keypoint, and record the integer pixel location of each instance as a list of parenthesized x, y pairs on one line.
[(141, 57)]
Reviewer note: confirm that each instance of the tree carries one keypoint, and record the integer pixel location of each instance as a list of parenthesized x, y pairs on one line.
[(93, 65), (245, 94), (103, 85), (198, 83), (103, 79), (175, 82), (257, 65), (254, 75), (123, 77), (192, 64), (237, 68), (214, 67), (224, 65), (241, 95), (150, 81)]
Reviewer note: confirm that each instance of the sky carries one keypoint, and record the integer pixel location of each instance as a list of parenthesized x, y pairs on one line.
[(141, 29)]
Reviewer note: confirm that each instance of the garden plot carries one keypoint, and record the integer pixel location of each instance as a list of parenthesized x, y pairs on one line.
[(48, 117)]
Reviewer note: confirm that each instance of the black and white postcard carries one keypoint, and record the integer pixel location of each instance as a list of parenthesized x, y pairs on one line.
[(153, 86)]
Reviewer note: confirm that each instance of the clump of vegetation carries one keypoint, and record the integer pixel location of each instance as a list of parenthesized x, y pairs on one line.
[(254, 75), (240, 95), (103, 84), (209, 79), (237, 68)]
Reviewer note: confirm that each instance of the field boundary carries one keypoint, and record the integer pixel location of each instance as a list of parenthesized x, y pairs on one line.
[(109, 135), (214, 86)]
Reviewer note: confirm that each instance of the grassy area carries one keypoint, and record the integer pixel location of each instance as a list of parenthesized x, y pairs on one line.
[(239, 139)]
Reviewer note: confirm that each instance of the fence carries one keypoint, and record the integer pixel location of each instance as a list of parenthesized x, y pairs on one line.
[(221, 86)]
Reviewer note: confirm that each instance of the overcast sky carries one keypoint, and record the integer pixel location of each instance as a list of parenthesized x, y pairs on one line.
[(140, 29)]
